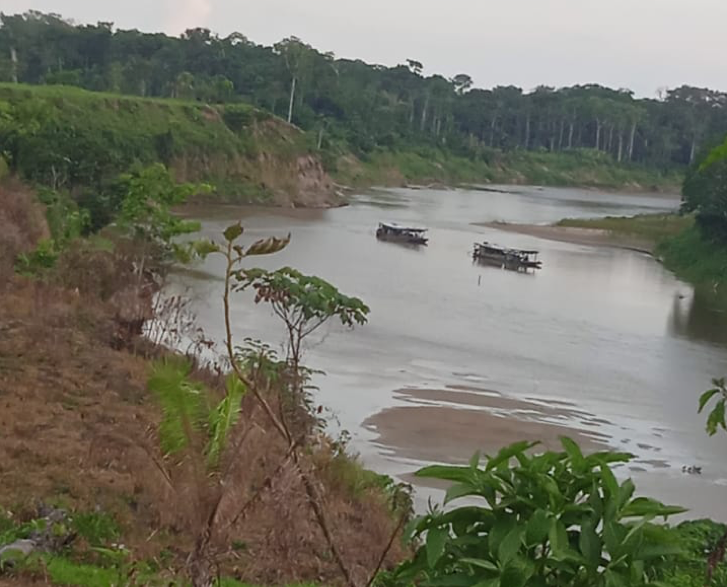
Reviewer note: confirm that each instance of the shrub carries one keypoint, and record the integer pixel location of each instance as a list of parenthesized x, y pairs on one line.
[(558, 518)]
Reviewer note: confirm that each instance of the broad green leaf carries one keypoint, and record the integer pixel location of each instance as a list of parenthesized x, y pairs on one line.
[(613, 535), (609, 481), (537, 528), (644, 506), (625, 492), (446, 473), (590, 544), (436, 541), (475, 460), (411, 528), (459, 490), (572, 448), (615, 579), (510, 545), (716, 418), (514, 575), (481, 563), (508, 452), (705, 397), (503, 525), (558, 537), (494, 582), (233, 232)]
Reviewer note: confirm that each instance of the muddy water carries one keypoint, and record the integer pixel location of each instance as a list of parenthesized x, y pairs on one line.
[(603, 344)]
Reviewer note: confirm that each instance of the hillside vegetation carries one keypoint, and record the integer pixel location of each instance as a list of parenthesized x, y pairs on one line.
[(72, 139)]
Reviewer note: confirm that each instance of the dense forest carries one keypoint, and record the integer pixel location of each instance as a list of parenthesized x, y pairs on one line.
[(353, 106)]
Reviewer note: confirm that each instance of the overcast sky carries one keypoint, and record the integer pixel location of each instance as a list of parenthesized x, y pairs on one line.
[(639, 44)]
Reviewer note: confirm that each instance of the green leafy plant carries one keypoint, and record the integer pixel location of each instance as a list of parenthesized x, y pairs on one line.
[(303, 303), (146, 209), (194, 435), (557, 518), (716, 416)]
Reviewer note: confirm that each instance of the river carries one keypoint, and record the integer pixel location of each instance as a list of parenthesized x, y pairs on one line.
[(602, 344)]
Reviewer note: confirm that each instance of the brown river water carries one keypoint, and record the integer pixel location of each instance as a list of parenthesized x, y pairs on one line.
[(602, 344)]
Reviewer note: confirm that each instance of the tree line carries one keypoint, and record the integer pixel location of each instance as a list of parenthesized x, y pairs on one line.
[(351, 105)]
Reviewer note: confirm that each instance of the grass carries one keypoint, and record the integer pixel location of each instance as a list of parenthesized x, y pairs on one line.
[(695, 258), (67, 573), (433, 165), (652, 227)]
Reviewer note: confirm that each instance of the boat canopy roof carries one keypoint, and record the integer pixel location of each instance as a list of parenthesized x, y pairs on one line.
[(400, 228), (506, 249)]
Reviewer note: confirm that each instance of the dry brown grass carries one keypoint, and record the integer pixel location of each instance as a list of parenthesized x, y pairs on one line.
[(22, 225), (77, 427)]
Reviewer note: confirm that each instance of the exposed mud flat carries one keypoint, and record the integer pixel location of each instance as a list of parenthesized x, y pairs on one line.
[(447, 425)]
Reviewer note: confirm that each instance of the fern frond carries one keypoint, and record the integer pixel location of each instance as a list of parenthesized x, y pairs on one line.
[(223, 419), (183, 403)]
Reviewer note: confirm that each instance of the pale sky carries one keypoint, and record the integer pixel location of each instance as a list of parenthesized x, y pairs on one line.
[(640, 44)]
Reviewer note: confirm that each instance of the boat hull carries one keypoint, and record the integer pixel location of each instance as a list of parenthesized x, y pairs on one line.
[(401, 238)]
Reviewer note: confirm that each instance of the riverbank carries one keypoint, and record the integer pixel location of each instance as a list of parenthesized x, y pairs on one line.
[(438, 167), (83, 432)]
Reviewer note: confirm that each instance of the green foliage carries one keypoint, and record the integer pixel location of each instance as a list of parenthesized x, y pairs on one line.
[(305, 302), (183, 403), (551, 519), (63, 571), (346, 106), (652, 227), (223, 419), (98, 528), (431, 165), (695, 258), (146, 210), (190, 418), (67, 138), (36, 262), (705, 192), (716, 416)]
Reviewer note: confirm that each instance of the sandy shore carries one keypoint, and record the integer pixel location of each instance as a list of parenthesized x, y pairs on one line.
[(450, 425), (580, 236)]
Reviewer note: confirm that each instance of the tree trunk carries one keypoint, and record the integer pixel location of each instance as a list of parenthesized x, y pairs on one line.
[(620, 146), (320, 138), (693, 149), (424, 114), (560, 134), (598, 134), (527, 132), (570, 135), (492, 131), (631, 142), (610, 139), (292, 99), (13, 65)]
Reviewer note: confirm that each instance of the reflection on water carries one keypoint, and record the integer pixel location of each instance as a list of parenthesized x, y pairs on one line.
[(699, 316), (600, 328)]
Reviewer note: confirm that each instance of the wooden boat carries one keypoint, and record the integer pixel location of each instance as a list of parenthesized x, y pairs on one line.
[(516, 259), (390, 231)]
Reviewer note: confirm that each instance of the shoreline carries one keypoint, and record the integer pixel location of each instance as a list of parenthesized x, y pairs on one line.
[(593, 237)]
